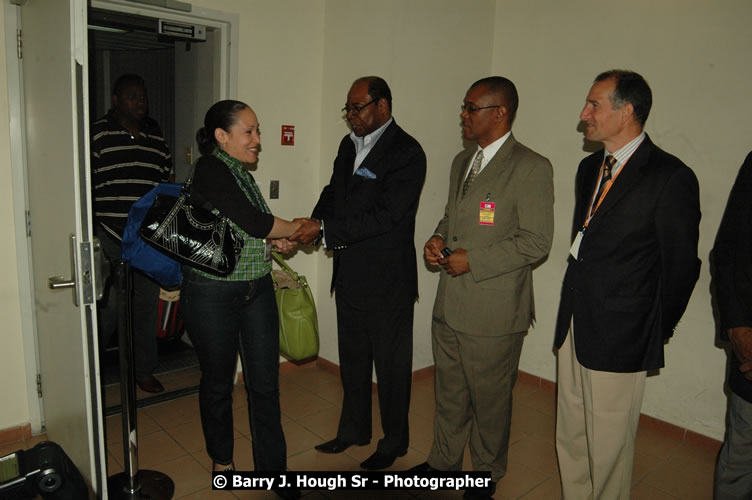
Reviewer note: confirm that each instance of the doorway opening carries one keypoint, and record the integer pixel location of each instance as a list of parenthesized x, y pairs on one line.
[(177, 61)]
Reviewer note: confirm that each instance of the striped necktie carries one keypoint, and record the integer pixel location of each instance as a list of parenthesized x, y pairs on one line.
[(608, 164)]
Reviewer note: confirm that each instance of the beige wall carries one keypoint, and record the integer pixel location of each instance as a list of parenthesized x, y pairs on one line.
[(297, 60)]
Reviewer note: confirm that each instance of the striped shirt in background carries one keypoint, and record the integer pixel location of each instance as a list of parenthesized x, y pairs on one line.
[(124, 168)]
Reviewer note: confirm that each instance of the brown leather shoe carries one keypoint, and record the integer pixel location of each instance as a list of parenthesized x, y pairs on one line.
[(150, 384)]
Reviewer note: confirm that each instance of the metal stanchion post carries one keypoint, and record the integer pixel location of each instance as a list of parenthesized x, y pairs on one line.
[(132, 483)]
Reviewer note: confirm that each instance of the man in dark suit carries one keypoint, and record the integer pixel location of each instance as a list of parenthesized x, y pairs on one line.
[(732, 256), (366, 215), (499, 223), (632, 268)]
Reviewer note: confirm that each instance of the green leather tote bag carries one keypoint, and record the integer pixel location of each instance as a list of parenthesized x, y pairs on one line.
[(298, 323)]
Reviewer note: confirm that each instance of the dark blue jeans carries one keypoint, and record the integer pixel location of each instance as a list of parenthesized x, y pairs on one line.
[(224, 318)]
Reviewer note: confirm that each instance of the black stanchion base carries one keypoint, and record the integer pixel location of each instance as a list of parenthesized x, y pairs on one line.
[(152, 485)]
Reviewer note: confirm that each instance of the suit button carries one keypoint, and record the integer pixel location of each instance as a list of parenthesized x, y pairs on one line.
[(454, 238)]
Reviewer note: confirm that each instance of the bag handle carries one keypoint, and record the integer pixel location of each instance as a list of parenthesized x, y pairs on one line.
[(281, 261), (185, 189)]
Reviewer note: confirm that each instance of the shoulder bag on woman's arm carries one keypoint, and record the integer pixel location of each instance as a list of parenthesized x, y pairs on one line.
[(193, 235)]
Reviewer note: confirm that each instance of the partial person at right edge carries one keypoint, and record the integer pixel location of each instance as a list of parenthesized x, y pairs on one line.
[(732, 276), (632, 268)]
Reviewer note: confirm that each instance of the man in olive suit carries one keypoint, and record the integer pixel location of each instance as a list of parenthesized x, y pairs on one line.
[(498, 223)]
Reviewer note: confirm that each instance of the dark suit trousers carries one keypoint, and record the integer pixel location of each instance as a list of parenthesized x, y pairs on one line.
[(383, 339), (145, 311)]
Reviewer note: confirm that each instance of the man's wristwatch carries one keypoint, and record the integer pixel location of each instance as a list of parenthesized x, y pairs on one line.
[(321, 232)]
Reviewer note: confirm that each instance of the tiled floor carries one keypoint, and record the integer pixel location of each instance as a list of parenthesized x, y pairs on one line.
[(173, 381), (171, 441)]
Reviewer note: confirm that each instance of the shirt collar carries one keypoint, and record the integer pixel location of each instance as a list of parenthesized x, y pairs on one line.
[(625, 152), (227, 159), (373, 137), (493, 148)]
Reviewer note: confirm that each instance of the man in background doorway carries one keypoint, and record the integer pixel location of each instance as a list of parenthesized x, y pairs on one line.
[(129, 156)]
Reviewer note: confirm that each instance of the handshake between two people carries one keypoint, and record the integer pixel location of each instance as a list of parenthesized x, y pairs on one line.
[(306, 232)]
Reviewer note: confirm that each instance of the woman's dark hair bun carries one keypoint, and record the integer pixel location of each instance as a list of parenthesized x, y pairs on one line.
[(220, 115), (203, 141)]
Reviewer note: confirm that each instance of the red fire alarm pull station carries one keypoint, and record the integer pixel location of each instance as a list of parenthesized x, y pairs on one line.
[(288, 135)]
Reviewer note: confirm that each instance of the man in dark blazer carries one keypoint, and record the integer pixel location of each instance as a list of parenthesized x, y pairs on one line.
[(732, 258), (632, 268), (499, 223), (366, 215)]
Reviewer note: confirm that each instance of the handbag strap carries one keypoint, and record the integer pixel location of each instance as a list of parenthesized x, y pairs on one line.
[(185, 189), (281, 261)]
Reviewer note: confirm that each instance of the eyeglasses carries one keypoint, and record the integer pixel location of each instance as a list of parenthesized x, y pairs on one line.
[(472, 109), (356, 109)]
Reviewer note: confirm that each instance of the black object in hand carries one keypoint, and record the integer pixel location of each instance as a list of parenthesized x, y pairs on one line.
[(446, 252)]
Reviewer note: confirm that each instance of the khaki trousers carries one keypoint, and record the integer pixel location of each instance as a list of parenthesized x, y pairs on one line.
[(474, 378), (596, 424)]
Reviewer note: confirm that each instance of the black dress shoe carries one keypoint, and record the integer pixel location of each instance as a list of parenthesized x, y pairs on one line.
[(287, 493), (424, 467), (336, 445), (379, 460), (480, 493), (150, 384)]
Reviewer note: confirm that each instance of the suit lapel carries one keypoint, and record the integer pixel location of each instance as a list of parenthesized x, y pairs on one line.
[(373, 161), (348, 160), (586, 182), (630, 175), (465, 162)]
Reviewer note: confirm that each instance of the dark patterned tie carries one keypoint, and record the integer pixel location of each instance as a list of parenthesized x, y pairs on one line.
[(608, 164), (473, 172)]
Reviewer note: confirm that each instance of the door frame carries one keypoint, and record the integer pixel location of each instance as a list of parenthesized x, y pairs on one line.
[(24, 271), (226, 22)]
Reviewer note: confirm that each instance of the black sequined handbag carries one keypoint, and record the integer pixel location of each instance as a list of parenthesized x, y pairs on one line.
[(193, 235)]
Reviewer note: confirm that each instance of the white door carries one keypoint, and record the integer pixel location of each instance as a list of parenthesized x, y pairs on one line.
[(56, 113)]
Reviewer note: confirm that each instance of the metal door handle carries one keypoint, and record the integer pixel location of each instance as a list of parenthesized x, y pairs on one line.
[(58, 282)]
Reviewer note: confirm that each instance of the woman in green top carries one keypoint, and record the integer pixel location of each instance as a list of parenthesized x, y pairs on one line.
[(235, 314)]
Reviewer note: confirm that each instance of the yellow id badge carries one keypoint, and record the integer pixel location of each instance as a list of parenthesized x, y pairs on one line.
[(487, 210)]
